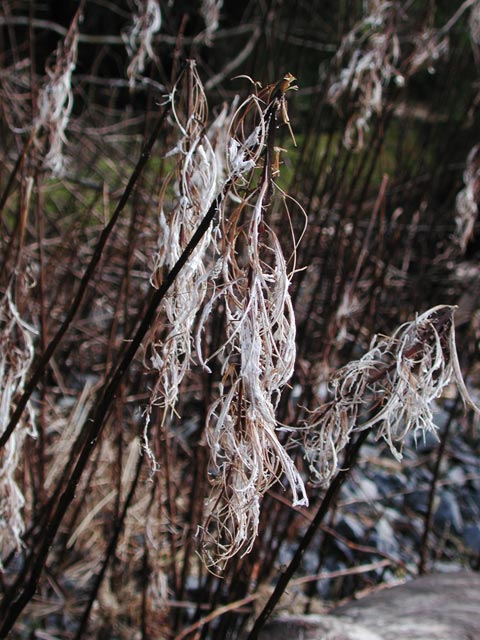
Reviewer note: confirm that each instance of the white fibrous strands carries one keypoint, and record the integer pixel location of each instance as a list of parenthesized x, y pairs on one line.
[(370, 59), (55, 101), (16, 354), (390, 389), (373, 51), (210, 12), (147, 21), (195, 188), (257, 358), (433, 44), (466, 203), (430, 46), (238, 271)]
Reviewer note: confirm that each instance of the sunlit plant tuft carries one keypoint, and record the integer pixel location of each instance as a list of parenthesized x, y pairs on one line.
[(390, 389)]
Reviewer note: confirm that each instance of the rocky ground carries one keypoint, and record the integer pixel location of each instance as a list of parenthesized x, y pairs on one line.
[(380, 519)]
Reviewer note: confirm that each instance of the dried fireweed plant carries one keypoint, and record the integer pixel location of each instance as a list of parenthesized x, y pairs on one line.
[(230, 308), (372, 51), (195, 186), (16, 355), (372, 59), (390, 389), (238, 267), (55, 100), (147, 21), (257, 357)]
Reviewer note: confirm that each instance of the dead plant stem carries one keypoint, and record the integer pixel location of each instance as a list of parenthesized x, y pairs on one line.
[(423, 551), (82, 628), (330, 496)]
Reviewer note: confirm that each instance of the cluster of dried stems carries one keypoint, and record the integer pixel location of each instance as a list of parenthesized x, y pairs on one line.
[(196, 185), (375, 61), (372, 51), (257, 356), (207, 307)]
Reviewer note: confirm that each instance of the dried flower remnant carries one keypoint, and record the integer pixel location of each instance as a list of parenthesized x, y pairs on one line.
[(257, 358), (195, 188), (249, 279), (371, 61), (466, 203), (139, 39), (391, 388), (430, 46), (210, 12), (207, 165), (16, 354), (373, 49), (55, 101)]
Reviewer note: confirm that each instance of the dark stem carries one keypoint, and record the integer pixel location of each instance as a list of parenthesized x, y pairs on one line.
[(422, 563), (82, 627), (15, 170), (330, 496)]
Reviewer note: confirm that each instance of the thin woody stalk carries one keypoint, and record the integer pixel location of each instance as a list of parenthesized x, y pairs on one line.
[(351, 455)]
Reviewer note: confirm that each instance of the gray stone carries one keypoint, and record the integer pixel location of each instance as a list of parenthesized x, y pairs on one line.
[(436, 607)]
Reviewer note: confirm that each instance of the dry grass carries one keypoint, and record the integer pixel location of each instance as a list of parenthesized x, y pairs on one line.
[(311, 302)]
